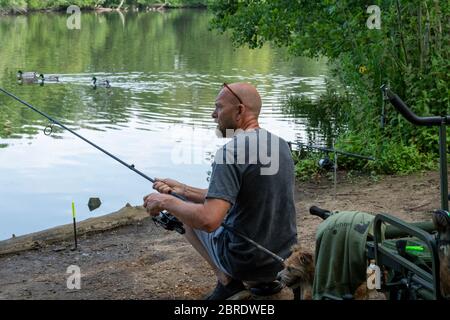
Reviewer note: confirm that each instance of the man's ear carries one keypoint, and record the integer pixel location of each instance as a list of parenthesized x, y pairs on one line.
[(240, 112)]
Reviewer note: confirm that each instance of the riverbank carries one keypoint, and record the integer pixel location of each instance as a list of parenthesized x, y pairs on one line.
[(139, 260), (25, 9)]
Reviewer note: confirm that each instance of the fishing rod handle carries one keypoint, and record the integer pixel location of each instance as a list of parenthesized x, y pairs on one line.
[(321, 213), (176, 195)]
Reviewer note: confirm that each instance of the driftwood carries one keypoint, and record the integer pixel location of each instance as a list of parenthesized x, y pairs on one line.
[(124, 216)]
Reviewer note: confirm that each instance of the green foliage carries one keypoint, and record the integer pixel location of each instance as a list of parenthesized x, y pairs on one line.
[(327, 112), (12, 5), (26, 5), (402, 159), (411, 52), (391, 157), (307, 168)]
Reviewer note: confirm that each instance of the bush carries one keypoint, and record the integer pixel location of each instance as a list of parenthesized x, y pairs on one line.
[(411, 53), (307, 168)]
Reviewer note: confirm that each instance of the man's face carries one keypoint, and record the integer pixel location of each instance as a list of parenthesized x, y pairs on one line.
[(225, 113)]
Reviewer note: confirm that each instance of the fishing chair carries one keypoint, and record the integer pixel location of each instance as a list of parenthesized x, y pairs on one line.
[(408, 274)]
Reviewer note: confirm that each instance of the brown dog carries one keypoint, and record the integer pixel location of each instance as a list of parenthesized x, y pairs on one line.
[(298, 273)]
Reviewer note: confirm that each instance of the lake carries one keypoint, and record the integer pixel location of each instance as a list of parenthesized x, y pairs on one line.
[(165, 70)]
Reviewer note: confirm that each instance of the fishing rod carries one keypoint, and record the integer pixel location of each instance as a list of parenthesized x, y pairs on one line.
[(326, 162), (329, 150), (165, 219)]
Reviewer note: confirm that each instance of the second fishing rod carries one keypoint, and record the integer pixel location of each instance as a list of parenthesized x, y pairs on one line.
[(165, 219)]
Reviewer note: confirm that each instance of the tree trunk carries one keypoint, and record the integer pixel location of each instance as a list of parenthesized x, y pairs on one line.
[(120, 5), (402, 41)]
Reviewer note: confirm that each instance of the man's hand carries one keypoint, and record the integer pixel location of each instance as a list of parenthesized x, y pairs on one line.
[(169, 185), (154, 203)]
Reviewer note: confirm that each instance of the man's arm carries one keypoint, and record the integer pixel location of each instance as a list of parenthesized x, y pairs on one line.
[(192, 194), (206, 216), (195, 195)]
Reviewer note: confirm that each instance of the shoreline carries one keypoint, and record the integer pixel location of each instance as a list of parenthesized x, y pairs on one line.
[(135, 214), (148, 8), (64, 233)]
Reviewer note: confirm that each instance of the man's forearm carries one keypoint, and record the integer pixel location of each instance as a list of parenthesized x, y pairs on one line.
[(195, 195), (191, 214), (206, 216)]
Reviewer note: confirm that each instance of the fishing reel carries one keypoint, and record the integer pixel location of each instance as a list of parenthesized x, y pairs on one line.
[(326, 163), (169, 222)]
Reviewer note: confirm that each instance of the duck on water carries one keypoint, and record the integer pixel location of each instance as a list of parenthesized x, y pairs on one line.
[(100, 83), (32, 77)]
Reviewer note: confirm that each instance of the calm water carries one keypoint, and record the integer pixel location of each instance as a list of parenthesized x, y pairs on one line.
[(165, 71)]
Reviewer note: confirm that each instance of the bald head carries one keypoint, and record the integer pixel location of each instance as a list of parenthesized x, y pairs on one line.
[(248, 95), (237, 107)]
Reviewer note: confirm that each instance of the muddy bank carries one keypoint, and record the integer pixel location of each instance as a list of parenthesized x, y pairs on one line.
[(123, 217), (142, 261)]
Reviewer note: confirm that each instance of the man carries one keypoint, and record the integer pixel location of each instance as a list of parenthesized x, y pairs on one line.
[(251, 190)]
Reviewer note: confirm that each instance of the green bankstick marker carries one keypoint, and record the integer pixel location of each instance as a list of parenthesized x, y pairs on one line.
[(74, 225), (414, 248)]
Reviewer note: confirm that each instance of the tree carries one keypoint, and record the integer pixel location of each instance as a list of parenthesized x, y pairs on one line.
[(410, 52)]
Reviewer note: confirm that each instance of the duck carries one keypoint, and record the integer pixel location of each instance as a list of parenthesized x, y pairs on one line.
[(32, 77), (40, 79), (28, 77), (100, 83)]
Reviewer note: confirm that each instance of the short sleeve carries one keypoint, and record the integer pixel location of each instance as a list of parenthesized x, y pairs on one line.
[(225, 182)]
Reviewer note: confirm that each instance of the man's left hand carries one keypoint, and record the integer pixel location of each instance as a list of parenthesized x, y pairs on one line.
[(154, 203)]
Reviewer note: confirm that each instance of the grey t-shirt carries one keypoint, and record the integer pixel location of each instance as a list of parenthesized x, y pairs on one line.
[(255, 173)]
